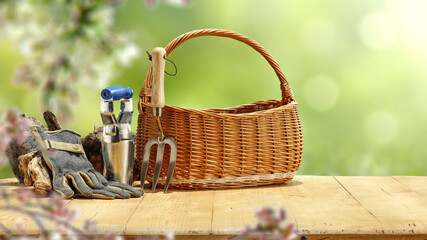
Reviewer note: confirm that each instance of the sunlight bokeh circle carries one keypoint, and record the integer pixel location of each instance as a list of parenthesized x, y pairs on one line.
[(378, 31), (321, 92), (318, 35), (381, 127)]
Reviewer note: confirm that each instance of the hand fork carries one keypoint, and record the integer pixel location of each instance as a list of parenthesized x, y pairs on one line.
[(157, 103)]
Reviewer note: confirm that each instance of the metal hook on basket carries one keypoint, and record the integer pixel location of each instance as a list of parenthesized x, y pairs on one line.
[(164, 57)]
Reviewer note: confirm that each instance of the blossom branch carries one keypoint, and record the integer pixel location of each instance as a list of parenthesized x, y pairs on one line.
[(7, 232), (35, 215)]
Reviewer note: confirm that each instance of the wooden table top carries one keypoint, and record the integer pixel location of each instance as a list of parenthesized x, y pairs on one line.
[(322, 207)]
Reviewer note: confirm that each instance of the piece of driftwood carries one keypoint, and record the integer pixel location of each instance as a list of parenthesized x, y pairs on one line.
[(92, 146), (23, 166), (51, 121), (15, 150), (35, 172)]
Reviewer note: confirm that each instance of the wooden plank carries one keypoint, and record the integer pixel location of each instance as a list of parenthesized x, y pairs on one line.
[(399, 209), (110, 215), (9, 220), (322, 206), (177, 212), (233, 209), (417, 184), (177, 237), (8, 181), (10, 217), (11, 184), (364, 237)]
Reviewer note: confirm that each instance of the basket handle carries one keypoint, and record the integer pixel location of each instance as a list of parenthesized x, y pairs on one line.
[(287, 95)]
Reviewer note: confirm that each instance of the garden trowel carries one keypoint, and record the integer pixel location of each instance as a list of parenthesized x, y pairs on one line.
[(117, 144)]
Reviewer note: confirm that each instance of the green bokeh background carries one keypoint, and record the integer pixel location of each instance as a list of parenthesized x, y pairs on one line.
[(357, 69)]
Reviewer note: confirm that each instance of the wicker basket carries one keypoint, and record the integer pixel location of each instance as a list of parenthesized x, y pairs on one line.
[(254, 144)]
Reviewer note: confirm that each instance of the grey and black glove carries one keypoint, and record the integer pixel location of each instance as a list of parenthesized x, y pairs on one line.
[(73, 174)]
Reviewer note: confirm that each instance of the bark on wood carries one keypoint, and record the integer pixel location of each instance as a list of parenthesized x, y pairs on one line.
[(15, 150), (40, 176), (35, 172), (51, 121), (23, 166), (92, 146)]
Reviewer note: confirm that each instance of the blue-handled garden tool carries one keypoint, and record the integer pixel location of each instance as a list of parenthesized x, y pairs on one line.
[(117, 144)]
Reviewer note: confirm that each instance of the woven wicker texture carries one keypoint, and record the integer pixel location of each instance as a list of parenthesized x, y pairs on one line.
[(253, 144)]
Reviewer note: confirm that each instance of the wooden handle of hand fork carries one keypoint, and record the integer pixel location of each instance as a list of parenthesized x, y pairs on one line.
[(158, 93)]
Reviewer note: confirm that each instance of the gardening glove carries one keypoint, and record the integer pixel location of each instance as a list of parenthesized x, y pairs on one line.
[(73, 174)]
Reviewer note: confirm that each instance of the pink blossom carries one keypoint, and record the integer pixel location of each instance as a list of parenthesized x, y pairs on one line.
[(52, 153), (3, 161), (265, 216), (90, 227), (270, 225), (21, 137), (20, 227), (245, 230), (262, 237), (12, 128), (4, 142), (58, 207), (282, 214), (24, 195)]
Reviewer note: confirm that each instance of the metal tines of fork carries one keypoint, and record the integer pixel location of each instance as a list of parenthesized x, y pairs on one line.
[(159, 160)]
